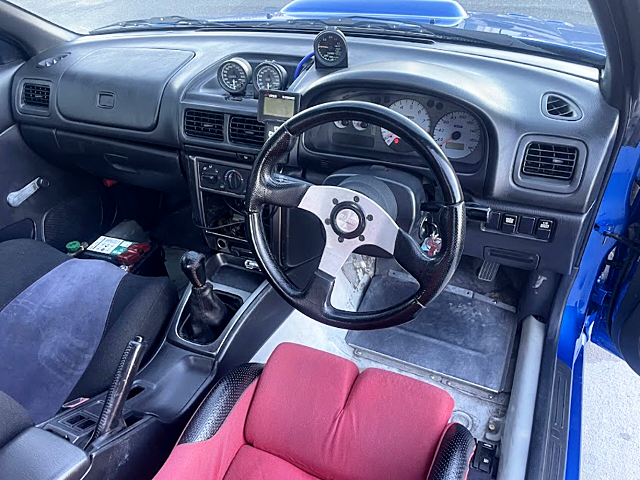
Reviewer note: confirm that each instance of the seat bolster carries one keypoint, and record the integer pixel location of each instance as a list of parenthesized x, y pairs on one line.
[(453, 455), (215, 434), (215, 409), (13, 418)]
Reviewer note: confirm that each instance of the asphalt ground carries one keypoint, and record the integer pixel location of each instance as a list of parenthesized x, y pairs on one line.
[(611, 410)]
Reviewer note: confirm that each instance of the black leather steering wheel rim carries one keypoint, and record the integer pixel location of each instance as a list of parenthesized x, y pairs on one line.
[(266, 186)]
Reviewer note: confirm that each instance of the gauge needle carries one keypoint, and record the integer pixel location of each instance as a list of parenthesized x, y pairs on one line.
[(446, 141)]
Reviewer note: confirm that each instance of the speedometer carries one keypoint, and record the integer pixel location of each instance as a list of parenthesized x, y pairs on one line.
[(234, 75), (270, 76), (458, 134), (414, 111)]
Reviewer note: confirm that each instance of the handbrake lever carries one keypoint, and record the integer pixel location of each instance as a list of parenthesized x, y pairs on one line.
[(111, 418)]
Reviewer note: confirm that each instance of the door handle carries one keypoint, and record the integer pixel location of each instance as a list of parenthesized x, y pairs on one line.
[(17, 198)]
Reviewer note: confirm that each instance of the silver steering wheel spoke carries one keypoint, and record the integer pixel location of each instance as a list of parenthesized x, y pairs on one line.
[(350, 220)]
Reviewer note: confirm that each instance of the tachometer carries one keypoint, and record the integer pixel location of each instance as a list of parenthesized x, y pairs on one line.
[(234, 75), (458, 134), (270, 76), (414, 111)]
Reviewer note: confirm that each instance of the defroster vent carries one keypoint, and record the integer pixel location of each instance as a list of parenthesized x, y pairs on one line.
[(550, 161), (560, 108), (36, 95), (246, 131), (204, 124)]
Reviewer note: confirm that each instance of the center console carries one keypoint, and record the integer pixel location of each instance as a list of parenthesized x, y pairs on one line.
[(218, 186)]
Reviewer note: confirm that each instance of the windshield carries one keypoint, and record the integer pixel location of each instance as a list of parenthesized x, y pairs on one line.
[(568, 23)]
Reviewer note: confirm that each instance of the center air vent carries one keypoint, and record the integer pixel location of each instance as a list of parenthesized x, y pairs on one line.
[(36, 95), (246, 131), (559, 107), (203, 124), (550, 161)]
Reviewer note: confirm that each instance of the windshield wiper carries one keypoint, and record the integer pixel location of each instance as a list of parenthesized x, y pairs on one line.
[(174, 21)]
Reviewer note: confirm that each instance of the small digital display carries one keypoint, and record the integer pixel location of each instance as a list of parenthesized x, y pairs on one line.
[(278, 107), (454, 145)]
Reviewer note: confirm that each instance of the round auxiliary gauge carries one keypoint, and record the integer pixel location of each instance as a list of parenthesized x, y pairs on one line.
[(330, 49), (414, 111), (270, 76), (458, 134), (234, 75)]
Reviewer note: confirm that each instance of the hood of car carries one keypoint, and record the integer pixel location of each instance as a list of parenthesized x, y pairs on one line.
[(451, 14)]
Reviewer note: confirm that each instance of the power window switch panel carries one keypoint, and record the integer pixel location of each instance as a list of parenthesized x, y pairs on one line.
[(509, 223)]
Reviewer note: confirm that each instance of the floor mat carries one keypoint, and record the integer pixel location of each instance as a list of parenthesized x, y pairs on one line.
[(459, 335)]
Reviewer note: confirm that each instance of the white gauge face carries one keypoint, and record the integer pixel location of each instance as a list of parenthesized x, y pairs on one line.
[(458, 134), (234, 76), (360, 126), (342, 123), (414, 111), (268, 77)]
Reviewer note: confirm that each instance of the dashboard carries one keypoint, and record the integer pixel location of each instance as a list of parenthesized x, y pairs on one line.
[(528, 136)]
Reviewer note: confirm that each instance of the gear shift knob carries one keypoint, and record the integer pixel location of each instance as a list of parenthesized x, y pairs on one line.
[(192, 264)]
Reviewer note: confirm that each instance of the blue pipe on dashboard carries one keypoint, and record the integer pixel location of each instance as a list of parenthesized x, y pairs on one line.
[(301, 64)]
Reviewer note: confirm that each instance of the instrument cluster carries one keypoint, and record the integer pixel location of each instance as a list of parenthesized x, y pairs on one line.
[(458, 131)]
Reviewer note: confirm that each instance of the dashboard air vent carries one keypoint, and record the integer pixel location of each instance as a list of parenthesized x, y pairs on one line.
[(559, 107), (550, 161), (36, 95), (203, 124), (246, 131)]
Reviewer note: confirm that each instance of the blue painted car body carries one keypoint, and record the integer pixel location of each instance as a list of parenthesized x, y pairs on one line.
[(450, 13)]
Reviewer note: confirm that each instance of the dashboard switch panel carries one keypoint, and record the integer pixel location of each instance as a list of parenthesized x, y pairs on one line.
[(520, 225)]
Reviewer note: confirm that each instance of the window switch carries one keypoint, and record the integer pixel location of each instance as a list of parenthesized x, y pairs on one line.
[(527, 225), (509, 223), (544, 229)]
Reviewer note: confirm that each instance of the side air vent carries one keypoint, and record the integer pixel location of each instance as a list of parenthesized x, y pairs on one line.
[(36, 95), (203, 124), (560, 108), (246, 131), (550, 161)]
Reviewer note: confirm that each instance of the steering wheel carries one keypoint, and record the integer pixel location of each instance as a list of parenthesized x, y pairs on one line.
[(351, 219)]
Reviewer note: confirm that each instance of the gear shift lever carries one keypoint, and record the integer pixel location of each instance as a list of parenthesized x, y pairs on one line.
[(208, 312)]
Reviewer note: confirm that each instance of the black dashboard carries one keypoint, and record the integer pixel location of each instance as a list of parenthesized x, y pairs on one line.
[(528, 136)]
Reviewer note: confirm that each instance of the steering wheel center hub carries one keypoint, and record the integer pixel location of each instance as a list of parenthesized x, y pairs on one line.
[(347, 220)]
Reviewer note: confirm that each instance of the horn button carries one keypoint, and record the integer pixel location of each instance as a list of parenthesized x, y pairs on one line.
[(347, 220)]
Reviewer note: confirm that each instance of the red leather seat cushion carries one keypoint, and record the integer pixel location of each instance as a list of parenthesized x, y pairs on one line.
[(315, 411), (312, 415)]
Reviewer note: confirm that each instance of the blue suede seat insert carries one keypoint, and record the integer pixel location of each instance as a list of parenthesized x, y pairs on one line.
[(51, 330)]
